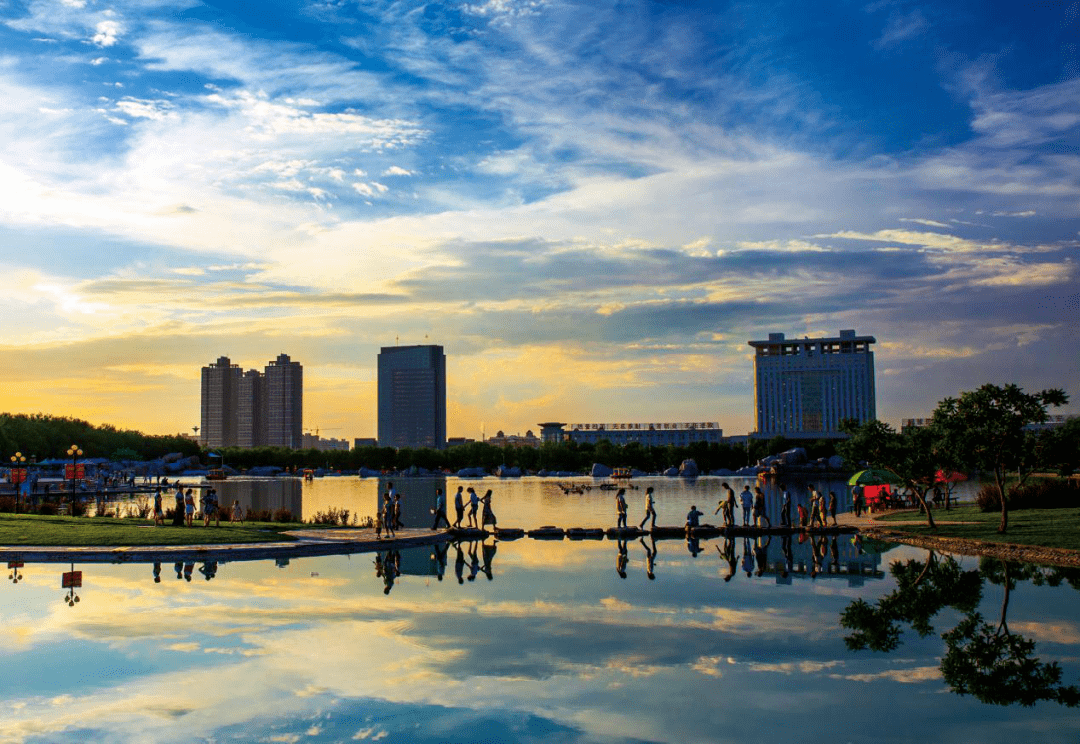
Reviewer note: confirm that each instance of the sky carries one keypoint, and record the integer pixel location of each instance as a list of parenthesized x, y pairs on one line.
[(592, 206)]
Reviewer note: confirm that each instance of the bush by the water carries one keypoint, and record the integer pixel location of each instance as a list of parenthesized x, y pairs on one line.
[(1041, 494)]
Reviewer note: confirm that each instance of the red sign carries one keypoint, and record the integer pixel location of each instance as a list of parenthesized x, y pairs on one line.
[(18, 475), (71, 580), (14, 564), (74, 471)]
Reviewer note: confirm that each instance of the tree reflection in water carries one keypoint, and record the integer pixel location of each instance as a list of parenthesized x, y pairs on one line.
[(994, 664)]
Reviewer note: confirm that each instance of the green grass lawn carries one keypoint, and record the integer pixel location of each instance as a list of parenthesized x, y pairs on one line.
[(1055, 528), (35, 529)]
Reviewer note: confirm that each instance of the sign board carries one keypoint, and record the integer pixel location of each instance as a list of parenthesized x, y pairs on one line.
[(74, 471), (15, 564), (71, 580), (18, 475)]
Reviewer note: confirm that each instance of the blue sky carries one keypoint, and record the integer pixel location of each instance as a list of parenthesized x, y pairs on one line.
[(592, 206)]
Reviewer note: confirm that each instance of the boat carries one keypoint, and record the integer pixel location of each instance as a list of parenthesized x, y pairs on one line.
[(216, 474), (622, 473)]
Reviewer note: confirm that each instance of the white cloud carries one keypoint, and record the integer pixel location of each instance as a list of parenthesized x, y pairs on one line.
[(107, 33), (902, 27), (394, 170)]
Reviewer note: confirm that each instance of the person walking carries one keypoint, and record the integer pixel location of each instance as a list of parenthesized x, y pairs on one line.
[(237, 512), (729, 506), (459, 507), (488, 516), (388, 515), (816, 516), (856, 499), (398, 524), (440, 510), (747, 505), (785, 507), (159, 515), (832, 507), (474, 502), (759, 508), (803, 516), (620, 507), (650, 509)]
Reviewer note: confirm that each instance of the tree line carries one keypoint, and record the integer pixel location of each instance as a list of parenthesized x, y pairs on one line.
[(40, 437)]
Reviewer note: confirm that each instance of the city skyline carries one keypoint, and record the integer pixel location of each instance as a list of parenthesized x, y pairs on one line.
[(592, 207)]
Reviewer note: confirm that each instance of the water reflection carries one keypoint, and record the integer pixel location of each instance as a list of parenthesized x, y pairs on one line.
[(992, 663)]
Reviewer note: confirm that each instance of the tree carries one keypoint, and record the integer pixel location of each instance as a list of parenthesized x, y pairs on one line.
[(913, 454), (985, 429)]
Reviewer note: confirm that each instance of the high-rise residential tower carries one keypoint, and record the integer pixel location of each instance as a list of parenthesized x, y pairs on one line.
[(804, 388), (412, 396), (251, 410), (220, 386), (284, 381)]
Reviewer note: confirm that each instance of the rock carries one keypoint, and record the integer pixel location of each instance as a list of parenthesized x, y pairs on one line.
[(368, 473), (471, 473), (836, 463), (507, 472), (671, 472), (793, 457), (748, 470), (688, 469), (601, 471)]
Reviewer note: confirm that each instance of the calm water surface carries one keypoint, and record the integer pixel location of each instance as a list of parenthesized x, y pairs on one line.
[(523, 641)]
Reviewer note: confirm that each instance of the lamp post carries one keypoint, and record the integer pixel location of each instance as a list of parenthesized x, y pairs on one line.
[(18, 474), (74, 453)]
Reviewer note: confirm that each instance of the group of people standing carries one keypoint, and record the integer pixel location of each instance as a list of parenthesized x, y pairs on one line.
[(185, 509)]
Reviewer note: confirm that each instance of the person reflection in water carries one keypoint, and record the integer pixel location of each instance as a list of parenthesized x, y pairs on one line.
[(474, 562), (179, 568), (650, 558), (728, 554), (440, 559), (761, 553), (208, 570), (489, 555), (789, 557), (747, 557), (189, 568), (459, 564), (157, 572), (391, 570), (621, 559)]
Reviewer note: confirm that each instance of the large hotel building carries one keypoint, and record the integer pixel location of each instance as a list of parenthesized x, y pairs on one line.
[(804, 388), (412, 397), (253, 409)]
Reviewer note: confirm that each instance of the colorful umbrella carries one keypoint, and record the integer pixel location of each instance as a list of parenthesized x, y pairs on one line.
[(874, 477)]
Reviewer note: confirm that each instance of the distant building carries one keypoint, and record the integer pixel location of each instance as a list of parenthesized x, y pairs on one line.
[(412, 397), (1053, 421), (458, 441), (284, 381), (514, 440), (252, 409), (365, 442), (220, 386), (315, 442), (804, 388), (650, 434)]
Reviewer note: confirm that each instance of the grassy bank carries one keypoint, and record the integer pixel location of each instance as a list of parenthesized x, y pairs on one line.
[(1054, 528), (35, 529)]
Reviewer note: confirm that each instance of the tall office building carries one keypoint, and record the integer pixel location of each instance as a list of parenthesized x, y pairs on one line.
[(412, 396), (804, 388), (251, 410), (220, 385), (284, 381)]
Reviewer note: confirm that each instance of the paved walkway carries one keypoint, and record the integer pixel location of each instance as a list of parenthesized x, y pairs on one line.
[(867, 521)]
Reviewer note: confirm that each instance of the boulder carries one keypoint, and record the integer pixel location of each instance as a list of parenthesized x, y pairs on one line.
[(688, 469), (748, 470), (507, 472), (601, 471), (368, 473), (836, 463), (172, 457), (471, 473), (671, 472), (793, 457)]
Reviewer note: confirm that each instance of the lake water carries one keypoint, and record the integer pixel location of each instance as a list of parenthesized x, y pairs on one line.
[(535, 642)]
